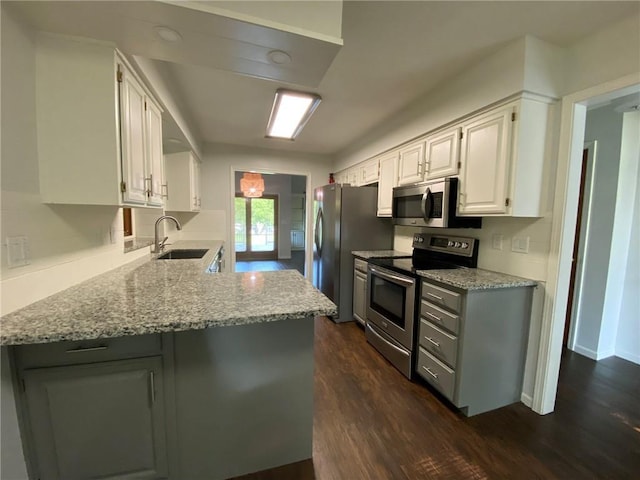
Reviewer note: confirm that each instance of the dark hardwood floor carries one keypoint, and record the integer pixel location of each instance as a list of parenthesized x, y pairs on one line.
[(372, 423), (296, 262)]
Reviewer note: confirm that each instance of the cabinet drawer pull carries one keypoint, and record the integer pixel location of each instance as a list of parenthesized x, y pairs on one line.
[(434, 375), (87, 349), (434, 295), (435, 317), (433, 342)]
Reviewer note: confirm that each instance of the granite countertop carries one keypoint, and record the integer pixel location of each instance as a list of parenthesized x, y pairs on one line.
[(476, 279), (154, 296), (379, 254)]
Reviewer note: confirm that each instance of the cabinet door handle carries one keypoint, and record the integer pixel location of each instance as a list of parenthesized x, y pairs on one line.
[(435, 317), (433, 342), (434, 296), (152, 386), (434, 375), (87, 349)]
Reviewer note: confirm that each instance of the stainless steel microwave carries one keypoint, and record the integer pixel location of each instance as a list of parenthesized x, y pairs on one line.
[(430, 204)]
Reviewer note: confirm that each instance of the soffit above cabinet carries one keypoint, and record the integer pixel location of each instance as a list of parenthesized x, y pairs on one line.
[(211, 37)]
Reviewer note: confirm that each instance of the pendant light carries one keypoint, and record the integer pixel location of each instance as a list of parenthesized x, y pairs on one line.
[(252, 185)]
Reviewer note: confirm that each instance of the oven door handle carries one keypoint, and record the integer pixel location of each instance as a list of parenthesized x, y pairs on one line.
[(386, 341), (392, 278), (427, 204)]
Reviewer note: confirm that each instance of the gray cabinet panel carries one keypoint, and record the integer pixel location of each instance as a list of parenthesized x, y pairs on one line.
[(439, 343), (472, 345), (440, 317), (101, 420), (441, 297)]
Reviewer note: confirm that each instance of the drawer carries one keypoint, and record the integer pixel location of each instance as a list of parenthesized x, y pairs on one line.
[(441, 297), (439, 343), (440, 317), (87, 351), (360, 265), (436, 373)]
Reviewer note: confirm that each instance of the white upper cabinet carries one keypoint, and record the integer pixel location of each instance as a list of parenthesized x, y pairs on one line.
[(442, 154), (388, 180), (411, 163), (133, 118), (183, 182), (97, 143), (485, 152), (352, 176), (369, 172), (502, 160), (156, 179)]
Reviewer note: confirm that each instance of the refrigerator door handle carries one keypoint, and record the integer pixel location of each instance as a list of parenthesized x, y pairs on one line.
[(318, 229)]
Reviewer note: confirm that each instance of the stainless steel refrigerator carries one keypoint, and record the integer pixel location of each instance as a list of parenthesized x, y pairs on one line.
[(345, 220)]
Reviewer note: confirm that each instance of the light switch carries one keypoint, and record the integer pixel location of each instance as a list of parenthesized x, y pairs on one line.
[(520, 244), (18, 251)]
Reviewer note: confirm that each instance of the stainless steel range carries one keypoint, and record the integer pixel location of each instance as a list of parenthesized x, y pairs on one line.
[(393, 293)]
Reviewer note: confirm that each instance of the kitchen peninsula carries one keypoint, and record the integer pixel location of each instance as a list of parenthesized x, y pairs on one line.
[(129, 373)]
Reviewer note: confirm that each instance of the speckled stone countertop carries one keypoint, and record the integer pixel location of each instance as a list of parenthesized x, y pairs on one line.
[(154, 296), (476, 279), (379, 254)]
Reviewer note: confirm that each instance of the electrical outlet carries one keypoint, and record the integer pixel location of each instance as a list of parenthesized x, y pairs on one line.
[(520, 244), (496, 243), (18, 253)]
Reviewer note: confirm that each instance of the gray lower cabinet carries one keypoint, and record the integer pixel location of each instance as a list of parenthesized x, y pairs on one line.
[(360, 291), (94, 420), (472, 344)]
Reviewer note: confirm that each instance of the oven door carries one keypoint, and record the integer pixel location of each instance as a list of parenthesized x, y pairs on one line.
[(391, 304)]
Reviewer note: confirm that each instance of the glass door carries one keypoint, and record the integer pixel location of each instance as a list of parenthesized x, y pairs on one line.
[(256, 227)]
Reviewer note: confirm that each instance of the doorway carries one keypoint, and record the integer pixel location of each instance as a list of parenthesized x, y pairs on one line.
[(256, 227), (269, 227), (573, 123)]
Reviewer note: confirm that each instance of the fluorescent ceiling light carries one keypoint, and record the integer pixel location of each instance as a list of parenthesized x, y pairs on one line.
[(290, 113)]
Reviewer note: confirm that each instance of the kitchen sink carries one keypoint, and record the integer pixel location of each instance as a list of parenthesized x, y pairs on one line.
[(181, 254)]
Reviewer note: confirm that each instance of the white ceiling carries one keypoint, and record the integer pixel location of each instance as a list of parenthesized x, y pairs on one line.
[(394, 52)]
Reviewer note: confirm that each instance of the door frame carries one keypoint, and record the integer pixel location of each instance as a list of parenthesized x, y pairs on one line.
[(308, 248), (581, 243), (571, 144), (252, 255)]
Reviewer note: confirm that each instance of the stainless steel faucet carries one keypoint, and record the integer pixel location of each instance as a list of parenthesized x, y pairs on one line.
[(157, 245)]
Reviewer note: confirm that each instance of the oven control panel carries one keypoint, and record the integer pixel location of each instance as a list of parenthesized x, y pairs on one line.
[(463, 246)]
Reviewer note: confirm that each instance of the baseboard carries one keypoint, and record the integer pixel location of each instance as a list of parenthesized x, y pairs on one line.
[(527, 400), (587, 352), (606, 354), (631, 357)]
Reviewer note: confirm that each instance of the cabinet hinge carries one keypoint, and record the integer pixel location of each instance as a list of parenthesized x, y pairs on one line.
[(507, 202), (459, 164), (145, 105), (513, 116), (123, 186), (461, 135), (119, 75)]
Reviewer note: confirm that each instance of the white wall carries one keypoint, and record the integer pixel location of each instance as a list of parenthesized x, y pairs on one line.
[(606, 55), (217, 181), (67, 244), (625, 293), (526, 63), (595, 332)]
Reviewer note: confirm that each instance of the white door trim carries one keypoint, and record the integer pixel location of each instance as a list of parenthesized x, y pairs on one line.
[(571, 141)]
